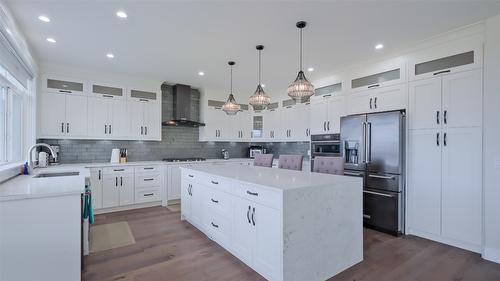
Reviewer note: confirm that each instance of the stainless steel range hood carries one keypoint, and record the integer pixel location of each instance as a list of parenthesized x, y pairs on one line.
[(182, 104)]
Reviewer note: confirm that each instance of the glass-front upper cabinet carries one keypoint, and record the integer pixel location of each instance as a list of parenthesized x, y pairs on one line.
[(107, 91), (257, 126), (64, 86)]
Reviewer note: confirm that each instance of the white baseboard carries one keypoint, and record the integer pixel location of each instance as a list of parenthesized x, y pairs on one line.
[(128, 207), (491, 254), (447, 241)]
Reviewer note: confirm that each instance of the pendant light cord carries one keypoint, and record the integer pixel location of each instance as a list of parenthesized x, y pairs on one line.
[(259, 68), (231, 79), (300, 64)]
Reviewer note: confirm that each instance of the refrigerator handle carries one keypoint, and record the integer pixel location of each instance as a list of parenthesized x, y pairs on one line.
[(368, 142), (363, 136)]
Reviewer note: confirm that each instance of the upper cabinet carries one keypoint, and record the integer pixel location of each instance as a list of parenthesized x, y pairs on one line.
[(75, 109), (455, 56), (327, 106), (378, 76)]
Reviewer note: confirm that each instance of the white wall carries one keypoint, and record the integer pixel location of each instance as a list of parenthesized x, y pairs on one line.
[(492, 140)]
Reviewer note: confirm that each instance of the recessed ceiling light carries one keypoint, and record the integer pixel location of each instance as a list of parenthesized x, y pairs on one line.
[(8, 31), (310, 69), (110, 55), (379, 46), (51, 40), (121, 14), (44, 18), (201, 73)]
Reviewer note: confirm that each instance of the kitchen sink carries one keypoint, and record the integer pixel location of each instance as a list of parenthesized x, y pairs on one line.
[(61, 174)]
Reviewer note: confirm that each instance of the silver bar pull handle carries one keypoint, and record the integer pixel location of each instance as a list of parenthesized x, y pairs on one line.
[(363, 136), (353, 174), (369, 143), (382, 177), (367, 216), (378, 193)]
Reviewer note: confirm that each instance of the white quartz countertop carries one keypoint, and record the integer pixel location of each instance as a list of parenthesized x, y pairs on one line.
[(276, 178), (145, 163), (27, 186)]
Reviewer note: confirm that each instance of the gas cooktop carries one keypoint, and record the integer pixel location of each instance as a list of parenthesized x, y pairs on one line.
[(192, 159)]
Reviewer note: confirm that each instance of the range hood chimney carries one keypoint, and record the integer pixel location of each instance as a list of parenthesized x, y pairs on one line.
[(182, 108)]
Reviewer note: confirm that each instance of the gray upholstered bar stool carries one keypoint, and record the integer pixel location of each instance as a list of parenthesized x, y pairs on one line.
[(290, 162), (329, 165), (263, 160)]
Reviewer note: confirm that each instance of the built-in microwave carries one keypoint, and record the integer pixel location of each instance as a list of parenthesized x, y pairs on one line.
[(325, 145)]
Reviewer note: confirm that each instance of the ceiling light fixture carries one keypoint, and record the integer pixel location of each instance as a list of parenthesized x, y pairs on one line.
[(44, 18), (231, 107), (310, 69), (259, 100), (51, 40), (201, 73), (110, 55), (121, 14), (301, 89), (379, 46)]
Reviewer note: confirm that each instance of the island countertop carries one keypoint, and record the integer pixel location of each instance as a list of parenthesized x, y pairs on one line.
[(280, 179)]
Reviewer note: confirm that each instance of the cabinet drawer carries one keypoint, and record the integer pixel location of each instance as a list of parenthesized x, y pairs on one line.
[(147, 195), (218, 201), (259, 195), (115, 170), (218, 228), (147, 169), (147, 180)]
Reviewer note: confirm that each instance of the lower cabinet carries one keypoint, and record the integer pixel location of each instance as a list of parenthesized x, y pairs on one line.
[(118, 190), (191, 206), (96, 181)]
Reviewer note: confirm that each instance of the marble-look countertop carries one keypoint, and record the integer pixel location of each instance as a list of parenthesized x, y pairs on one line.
[(281, 179), (27, 186)]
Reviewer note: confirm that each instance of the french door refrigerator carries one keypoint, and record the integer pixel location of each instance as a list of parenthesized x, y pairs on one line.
[(373, 147)]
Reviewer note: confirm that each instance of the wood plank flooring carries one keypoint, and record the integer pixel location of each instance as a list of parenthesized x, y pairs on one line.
[(169, 249)]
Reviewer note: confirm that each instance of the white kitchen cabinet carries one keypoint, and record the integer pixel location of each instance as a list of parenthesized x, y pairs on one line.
[(266, 256), (424, 181), (383, 74), (271, 125), (96, 183), (239, 126), (186, 199), (444, 175), (117, 189), (63, 115), (108, 118), (378, 99), (294, 123), (243, 231), (325, 114), (144, 119), (462, 186), (197, 194), (216, 124)]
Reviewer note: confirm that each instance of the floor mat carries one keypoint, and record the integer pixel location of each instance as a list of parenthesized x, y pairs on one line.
[(110, 236)]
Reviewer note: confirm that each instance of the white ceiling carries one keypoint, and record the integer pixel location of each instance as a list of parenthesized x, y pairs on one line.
[(173, 40)]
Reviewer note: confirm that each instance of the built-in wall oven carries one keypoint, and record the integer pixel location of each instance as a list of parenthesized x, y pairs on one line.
[(325, 145)]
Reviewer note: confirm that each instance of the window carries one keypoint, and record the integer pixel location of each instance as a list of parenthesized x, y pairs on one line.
[(11, 125)]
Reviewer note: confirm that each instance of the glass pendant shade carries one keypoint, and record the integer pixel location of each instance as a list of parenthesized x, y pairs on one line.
[(301, 89), (231, 107), (259, 100)]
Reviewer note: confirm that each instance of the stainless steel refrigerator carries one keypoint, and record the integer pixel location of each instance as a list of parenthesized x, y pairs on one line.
[(373, 147)]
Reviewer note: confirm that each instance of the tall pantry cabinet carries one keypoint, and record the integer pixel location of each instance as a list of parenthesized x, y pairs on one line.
[(445, 152)]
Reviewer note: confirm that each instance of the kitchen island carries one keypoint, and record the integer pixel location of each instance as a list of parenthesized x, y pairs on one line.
[(286, 225)]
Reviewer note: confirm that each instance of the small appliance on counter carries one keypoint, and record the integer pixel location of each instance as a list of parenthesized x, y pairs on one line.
[(256, 149), (115, 156), (225, 154)]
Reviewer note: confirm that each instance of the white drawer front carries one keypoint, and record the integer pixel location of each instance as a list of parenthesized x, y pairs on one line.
[(218, 201), (260, 195), (147, 180), (219, 229), (147, 195), (117, 170), (148, 169)]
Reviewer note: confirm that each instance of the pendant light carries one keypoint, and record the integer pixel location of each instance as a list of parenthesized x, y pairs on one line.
[(301, 89), (231, 107), (259, 100)]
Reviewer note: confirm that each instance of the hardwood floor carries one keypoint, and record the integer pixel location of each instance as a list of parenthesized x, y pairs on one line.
[(168, 249)]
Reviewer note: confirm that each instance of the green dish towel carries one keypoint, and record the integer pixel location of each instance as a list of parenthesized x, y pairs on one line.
[(88, 212)]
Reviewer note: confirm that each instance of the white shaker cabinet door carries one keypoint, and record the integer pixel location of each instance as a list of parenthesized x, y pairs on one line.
[(462, 186), (118, 118), (319, 116), (136, 121), (197, 195), (424, 181), (98, 117), (126, 187), (52, 114), (76, 115), (243, 230), (96, 187), (266, 256), (110, 191), (186, 199), (425, 104), (462, 99), (152, 121), (336, 109)]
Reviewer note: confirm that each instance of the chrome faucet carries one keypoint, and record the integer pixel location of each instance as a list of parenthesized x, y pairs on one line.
[(30, 153)]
